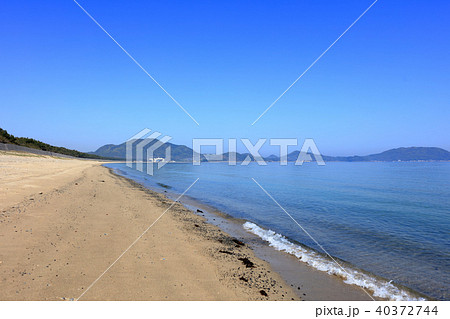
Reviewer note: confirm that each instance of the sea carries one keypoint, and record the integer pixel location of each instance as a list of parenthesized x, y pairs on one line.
[(384, 226)]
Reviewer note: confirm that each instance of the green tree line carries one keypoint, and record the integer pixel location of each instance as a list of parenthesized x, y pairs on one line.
[(7, 138)]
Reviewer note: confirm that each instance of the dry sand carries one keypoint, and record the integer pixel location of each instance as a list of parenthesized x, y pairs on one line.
[(63, 222)]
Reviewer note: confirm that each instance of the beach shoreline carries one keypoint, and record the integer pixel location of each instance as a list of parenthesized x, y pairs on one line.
[(293, 260), (75, 212), (58, 240), (308, 283)]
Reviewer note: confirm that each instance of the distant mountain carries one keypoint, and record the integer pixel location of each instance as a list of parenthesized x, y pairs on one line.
[(397, 154), (412, 154), (182, 153), (179, 153), (7, 138)]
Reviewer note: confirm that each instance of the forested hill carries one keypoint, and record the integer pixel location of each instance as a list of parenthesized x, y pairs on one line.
[(7, 138)]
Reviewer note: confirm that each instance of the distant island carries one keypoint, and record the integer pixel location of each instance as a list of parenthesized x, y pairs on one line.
[(182, 153), (403, 154)]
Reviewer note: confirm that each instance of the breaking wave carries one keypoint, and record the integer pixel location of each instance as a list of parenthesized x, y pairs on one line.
[(379, 287)]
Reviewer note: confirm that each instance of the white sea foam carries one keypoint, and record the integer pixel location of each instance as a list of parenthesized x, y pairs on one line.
[(380, 287)]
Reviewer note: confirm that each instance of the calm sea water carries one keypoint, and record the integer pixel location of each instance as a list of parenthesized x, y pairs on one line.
[(390, 219)]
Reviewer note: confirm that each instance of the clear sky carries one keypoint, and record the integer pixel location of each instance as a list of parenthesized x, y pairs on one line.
[(385, 84)]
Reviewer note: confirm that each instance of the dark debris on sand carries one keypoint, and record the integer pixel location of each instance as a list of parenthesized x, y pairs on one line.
[(247, 262), (247, 272)]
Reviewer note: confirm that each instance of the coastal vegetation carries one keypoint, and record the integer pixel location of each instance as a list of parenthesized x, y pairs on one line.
[(7, 138)]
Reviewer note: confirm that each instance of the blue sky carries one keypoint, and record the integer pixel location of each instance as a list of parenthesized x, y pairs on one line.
[(385, 84)]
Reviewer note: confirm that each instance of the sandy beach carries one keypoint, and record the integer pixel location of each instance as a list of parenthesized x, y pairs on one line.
[(63, 222)]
